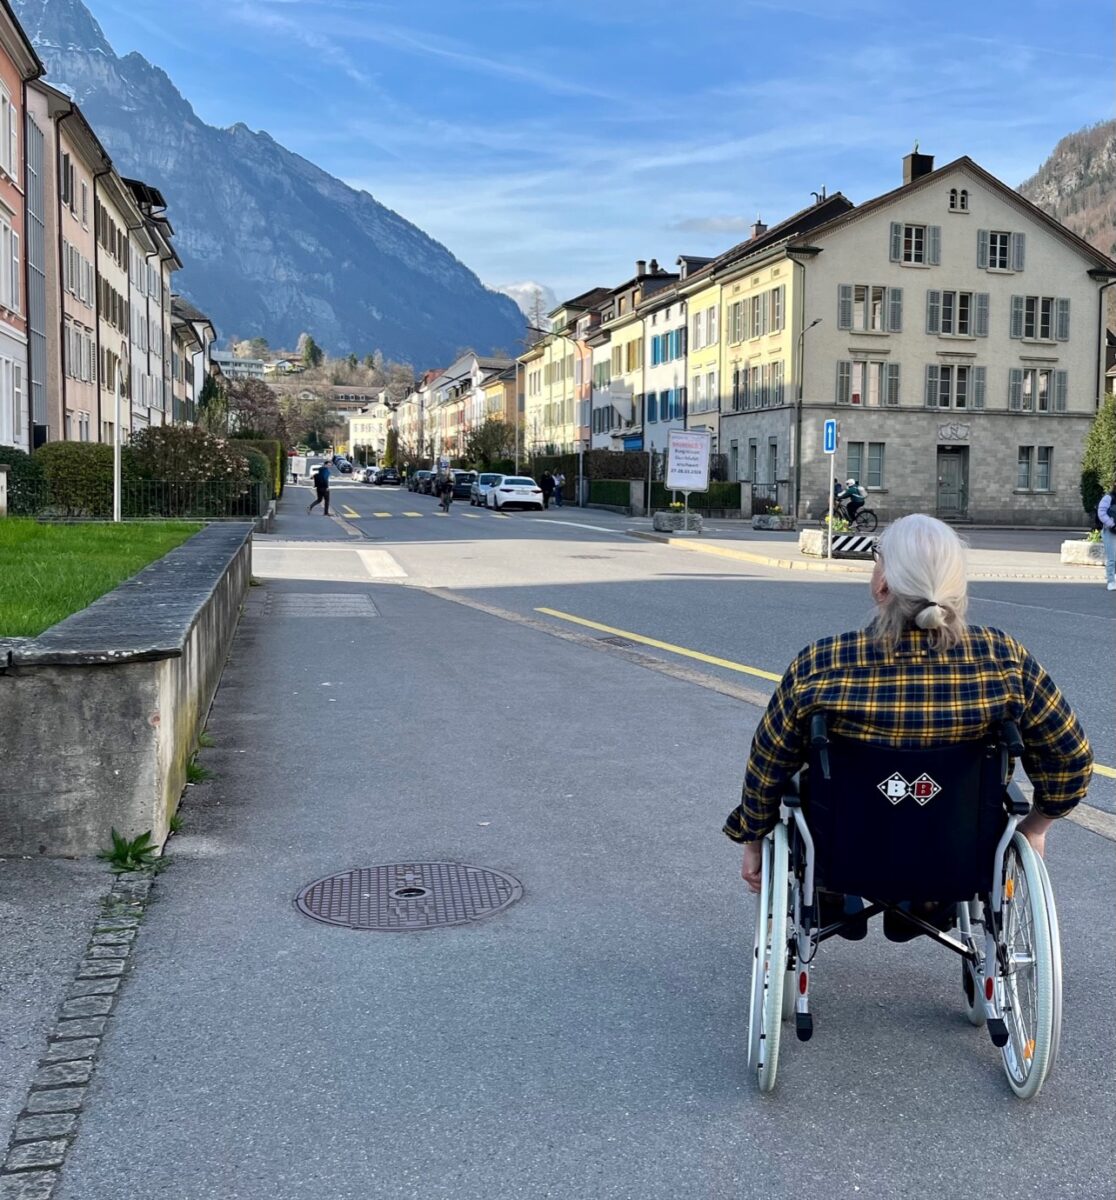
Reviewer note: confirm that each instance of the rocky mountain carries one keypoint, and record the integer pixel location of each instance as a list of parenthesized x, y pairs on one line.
[(272, 244), (1077, 185)]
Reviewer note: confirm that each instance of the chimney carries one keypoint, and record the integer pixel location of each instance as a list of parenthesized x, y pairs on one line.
[(758, 228), (916, 165), (655, 268), (641, 266)]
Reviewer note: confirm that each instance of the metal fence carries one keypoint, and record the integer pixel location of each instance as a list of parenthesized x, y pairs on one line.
[(141, 500), (766, 496)]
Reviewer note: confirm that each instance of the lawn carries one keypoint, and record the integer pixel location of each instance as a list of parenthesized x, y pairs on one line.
[(48, 572)]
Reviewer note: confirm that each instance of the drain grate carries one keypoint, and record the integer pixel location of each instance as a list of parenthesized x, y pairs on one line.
[(617, 641), (320, 605), (399, 897)]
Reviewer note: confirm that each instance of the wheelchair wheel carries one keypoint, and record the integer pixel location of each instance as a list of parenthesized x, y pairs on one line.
[(1025, 977), (769, 960), (865, 521), (1055, 960)]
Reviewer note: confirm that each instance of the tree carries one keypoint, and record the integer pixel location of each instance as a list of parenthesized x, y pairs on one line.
[(400, 382), (309, 351), (391, 449), (488, 442), (1098, 463), (352, 361), (310, 422), (253, 410), (212, 406)]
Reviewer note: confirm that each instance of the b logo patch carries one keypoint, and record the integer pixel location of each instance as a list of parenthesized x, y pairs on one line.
[(924, 789), (896, 788)]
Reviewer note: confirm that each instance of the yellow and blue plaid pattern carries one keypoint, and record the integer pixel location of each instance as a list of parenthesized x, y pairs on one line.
[(912, 696)]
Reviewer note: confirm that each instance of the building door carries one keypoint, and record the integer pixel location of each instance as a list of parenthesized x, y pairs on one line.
[(953, 482)]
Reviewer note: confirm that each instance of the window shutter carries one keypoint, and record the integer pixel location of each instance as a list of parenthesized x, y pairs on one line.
[(896, 241), (782, 290), (982, 249), (745, 388), (934, 245), (652, 410), (1016, 317), (933, 381), (894, 310), (1018, 242), (979, 383), (892, 391), (980, 316), (1015, 389), (16, 273), (1061, 387), (844, 382), (933, 311), (844, 305), (765, 313), (1061, 320)]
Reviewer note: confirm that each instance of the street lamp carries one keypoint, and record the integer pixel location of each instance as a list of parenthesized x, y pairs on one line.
[(798, 413)]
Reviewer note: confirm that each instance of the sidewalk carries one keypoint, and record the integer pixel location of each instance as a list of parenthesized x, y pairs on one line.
[(587, 1042)]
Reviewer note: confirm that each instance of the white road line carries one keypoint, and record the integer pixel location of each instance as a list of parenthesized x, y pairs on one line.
[(381, 565), (582, 525)]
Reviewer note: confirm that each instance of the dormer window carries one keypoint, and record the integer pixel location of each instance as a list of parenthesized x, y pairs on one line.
[(958, 199)]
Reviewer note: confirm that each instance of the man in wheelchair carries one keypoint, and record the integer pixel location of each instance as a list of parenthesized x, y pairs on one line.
[(880, 772)]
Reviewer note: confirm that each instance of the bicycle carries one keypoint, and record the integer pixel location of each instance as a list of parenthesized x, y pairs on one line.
[(865, 520)]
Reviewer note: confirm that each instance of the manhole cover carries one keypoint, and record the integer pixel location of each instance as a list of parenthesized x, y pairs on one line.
[(397, 897)]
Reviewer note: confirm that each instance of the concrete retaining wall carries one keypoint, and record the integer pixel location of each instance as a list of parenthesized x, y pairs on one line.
[(100, 714)]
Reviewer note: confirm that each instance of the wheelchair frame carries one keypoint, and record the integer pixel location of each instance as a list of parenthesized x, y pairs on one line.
[(1007, 939)]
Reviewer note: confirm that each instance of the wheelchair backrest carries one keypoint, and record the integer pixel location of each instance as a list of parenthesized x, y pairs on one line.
[(905, 824)]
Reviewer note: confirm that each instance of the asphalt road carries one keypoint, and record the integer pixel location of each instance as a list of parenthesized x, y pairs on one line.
[(589, 1042), (583, 563)]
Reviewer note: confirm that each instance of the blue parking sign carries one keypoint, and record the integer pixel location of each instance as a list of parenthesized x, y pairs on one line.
[(829, 437)]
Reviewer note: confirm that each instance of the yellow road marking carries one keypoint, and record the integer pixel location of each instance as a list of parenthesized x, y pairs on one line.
[(381, 514), (348, 512), (668, 646), (412, 514), (1107, 771)]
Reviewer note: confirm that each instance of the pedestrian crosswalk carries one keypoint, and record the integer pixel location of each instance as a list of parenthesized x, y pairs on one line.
[(352, 515)]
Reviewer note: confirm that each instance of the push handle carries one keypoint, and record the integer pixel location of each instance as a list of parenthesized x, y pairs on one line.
[(819, 740), (1013, 742)]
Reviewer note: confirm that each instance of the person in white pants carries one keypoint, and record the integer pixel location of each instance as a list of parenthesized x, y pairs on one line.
[(1106, 514)]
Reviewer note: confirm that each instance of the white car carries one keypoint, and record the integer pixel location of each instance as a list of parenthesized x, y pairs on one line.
[(514, 491)]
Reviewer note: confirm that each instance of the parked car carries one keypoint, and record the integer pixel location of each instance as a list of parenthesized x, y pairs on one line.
[(342, 464), (463, 484), (478, 491), (387, 475), (368, 474), (428, 482), (418, 479), (514, 491)]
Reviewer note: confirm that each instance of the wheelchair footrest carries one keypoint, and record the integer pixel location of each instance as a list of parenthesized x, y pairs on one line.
[(997, 1030), (804, 1026)]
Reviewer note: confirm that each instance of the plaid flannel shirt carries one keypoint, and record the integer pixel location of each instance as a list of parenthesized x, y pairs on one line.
[(912, 696)]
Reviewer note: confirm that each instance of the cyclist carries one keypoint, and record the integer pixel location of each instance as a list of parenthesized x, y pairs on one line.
[(853, 494)]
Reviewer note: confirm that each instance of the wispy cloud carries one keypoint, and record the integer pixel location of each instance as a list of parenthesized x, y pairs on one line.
[(710, 225)]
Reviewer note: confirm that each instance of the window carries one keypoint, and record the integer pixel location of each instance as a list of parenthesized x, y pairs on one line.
[(1023, 468), (957, 314), (617, 360), (697, 390), (711, 326), (998, 250), (698, 328), (958, 200), (955, 386), (868, 383), (712, 399), (85, 204), (1042, 468), (916, 245), (652, 409), (10, 289), (869, 307), (9, 134), (1041, 318), (778, 308), (868, 470), (736, 322), (1038, 390)]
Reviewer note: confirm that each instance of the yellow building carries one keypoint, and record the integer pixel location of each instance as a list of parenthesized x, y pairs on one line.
[(704, 343), (499, 396)]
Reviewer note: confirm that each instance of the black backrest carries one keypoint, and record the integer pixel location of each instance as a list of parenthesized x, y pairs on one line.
[(897, 824)]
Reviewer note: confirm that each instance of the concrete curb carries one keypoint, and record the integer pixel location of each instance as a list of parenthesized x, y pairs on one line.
[(47, 1123)]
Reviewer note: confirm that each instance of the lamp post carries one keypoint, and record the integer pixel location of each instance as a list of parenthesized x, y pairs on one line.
[(798, 413)]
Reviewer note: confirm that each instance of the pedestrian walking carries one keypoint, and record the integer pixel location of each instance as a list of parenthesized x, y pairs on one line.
[(559, 484), (1106, 519), (546, 482), (321, 486)]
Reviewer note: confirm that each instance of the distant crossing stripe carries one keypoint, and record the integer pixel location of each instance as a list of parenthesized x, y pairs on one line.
[(500, 517), (727, 664), (412, 514), (348, 511), (472, 516), (381, 514)]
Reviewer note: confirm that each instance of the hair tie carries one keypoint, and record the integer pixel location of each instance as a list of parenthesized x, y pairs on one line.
[(930, 615)]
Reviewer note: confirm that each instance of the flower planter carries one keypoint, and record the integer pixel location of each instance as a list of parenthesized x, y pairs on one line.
[(1083, 554), (677, 522), (778, 521)]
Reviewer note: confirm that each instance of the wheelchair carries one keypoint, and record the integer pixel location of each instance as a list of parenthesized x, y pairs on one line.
[(903, 829)]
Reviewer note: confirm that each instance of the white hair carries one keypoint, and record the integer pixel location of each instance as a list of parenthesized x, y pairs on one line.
[(923, 565)]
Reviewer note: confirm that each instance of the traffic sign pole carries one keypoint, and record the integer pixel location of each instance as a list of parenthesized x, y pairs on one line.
[(829, 445)]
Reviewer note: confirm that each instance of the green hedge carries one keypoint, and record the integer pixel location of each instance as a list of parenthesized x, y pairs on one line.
[(78, 477), (25, 481), (617, 492), (720, 495), (272, 449)]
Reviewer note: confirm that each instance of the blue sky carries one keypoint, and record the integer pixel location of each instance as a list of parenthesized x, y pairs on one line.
[(559, 142)]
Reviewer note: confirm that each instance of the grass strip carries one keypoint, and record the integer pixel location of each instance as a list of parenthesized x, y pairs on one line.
[(48, 572)]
